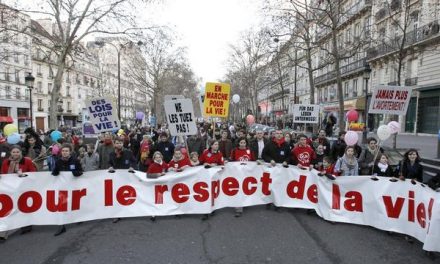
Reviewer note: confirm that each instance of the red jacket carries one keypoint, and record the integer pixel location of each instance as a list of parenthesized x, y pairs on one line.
[(157, 168), (329, 170), (183, 162), (209, 157), (303, 155), (25, 165), (242, 155)]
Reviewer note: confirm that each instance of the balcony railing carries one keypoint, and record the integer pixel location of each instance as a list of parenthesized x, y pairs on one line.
[(411, 81), (428, 31), (393, 83), (345, 70)]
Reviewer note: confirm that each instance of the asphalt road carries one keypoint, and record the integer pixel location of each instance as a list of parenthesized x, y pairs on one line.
[(259, 236)]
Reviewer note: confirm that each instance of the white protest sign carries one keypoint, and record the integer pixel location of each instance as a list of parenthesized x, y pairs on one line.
[(103, 114), (180, 117), (393, 100), (306, 113)]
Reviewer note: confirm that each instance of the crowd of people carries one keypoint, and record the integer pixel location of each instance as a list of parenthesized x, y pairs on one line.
[(155, 152)]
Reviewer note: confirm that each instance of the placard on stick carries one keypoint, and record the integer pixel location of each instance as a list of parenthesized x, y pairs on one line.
[(393, 100), (180, 117), (103, 114), (217, 97), (306, 114)]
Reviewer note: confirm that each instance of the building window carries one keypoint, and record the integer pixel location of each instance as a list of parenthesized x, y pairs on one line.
[(22, 112), (39, 87), (8, 92), (26, 94), (16, 57), (355, 88), (26, 60), (50, 73), (39, 70), (6, 56), (68, 91), (17, 76), (4, 111), (7, 74), (346, 89), (69, 107), (40, 104), (49, 88), (17, 93)]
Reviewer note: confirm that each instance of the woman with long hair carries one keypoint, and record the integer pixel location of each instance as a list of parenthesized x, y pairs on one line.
[(347, 165), (410, 167), (34, 149), (18, 164)]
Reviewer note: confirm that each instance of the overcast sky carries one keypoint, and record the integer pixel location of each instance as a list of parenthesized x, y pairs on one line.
[(206, 28)]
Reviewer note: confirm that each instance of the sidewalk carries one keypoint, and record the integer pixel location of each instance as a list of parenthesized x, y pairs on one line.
[(426, 145)]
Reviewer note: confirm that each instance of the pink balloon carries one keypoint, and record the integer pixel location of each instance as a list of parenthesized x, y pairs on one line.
[(352, 116), (351, 138), (394, 127), (55, 149), (250, 119)]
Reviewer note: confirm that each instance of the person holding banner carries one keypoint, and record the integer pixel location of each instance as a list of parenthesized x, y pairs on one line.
[(257, 145), (277, 150), (303, 155), (179, 161), (212, 156), (66, 163), (410, 167), (16, 163), (158, 167), (121, 158), (347, 165), (242, 153)]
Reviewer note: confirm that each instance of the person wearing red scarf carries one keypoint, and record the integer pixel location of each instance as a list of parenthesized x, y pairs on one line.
[(212, 156), (277, 150), (16, 163), (303, 155), (179, 161)]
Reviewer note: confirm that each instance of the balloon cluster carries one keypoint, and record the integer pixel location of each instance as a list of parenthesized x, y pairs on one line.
[(11, 132), (383, 133)]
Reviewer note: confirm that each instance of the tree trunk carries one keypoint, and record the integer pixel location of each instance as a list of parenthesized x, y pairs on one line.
[(55, 96)]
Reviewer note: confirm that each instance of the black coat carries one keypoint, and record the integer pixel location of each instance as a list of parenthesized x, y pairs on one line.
[(253, 146), (411, 172), (387, 173), (126, 160), (338, 149), (167, 150), (277, 153), (72, 164)]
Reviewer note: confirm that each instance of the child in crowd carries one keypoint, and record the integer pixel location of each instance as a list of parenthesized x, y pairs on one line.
[(158, 167), (179, 162), (194, 158)]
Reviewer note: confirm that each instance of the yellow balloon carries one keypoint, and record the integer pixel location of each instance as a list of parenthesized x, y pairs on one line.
[(121, 131), (10, 129)]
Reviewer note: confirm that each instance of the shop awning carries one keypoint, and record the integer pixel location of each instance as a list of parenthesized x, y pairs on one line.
[(6, 119), (357, 104)]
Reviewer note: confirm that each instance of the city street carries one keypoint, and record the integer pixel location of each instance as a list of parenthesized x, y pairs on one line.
[(259, 236)]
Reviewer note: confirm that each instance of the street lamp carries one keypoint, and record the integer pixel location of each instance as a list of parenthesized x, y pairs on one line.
[(366, 76), (118, 50), (29, 82)]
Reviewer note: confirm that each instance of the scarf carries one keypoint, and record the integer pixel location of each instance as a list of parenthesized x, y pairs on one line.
[(14, 165), (279, 142), (348, 164), (373, 151), (118, 153), (382, 167)]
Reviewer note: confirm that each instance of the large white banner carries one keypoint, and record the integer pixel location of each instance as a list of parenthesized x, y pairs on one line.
[(393, 100), (42, 199)]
